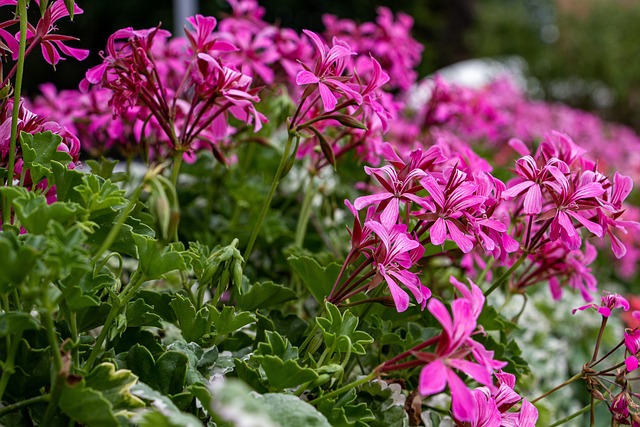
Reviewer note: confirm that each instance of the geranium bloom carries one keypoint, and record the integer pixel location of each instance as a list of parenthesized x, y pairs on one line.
[(396, 190), (392, 261), (608, 302), (450, 202), (53, 44), (452, 353), (327, 72)]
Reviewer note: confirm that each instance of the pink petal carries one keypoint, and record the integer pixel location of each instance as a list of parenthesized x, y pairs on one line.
[(329, 101), (438, 232), (373, 199), (460, 238), (400, 297), (433, 378), (305, 77), (533, 200), (462, 401), (631, 363)]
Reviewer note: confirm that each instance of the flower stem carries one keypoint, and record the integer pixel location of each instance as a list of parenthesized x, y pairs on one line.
[(59, 376), (305, 213), (175, 168), (284, 160), (600, 332), (507, 274), (22, 11), (574, 415), (24, 403), (113, 234), (346, 388), (137, 279), (7, 369), (574, 378)]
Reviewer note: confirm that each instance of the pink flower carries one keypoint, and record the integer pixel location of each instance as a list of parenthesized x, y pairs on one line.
[(327, 72), (202, 37), (452, 353), (392, 261), (608, 302), (52, 44), (396, 190), (457, 196)]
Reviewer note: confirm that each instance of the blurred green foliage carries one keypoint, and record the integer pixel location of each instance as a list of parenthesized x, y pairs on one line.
[(575, 50)]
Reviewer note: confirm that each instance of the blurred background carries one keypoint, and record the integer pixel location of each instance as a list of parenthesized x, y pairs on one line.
[(581, 52)]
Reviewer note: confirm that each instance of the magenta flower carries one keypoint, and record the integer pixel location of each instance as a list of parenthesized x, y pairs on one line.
[(396, 190), (608, 302), (532, 181), (452, 352), (202, 37), (573, 200), (327, 72), (392, 261), (457, 196), (54, 44)]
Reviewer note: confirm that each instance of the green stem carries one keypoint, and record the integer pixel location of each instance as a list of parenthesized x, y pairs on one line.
[(574, 378), (574, 415), (305, 213), (309, 337), (175, 168), (507, 274), (9, 363), (115, 230), (345, 388), (23, 404), (600, 332), (59, 376), (484, 272), (284, 160), (22, 11), (137, 279)]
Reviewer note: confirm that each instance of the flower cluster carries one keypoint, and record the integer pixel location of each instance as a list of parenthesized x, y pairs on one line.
[(619, 394), (183, 107), (455, 350)]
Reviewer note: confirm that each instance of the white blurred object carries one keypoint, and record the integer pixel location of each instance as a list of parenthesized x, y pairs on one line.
[(472, 73), (182, 9)]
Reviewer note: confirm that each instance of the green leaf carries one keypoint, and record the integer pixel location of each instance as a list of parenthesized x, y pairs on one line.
[(86, 405), (228, 321), (14, 322), (66, 252), (387, 402), (199, 360), (161, 303), (344, 412), (100, 195), (167, 374), (491, 320), (337, 327), (104, 167), (114, 385), (35, 213), (102, 398), (165, 414), (318, 279), (66, 180), (17, 260), (262, 295), (38, 150), (140, 314), (279, 361), (290, 411), (193, 325), (156, 261), (81, 290)]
